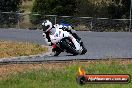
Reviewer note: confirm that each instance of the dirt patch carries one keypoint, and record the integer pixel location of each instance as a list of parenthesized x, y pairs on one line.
[(14, 49)]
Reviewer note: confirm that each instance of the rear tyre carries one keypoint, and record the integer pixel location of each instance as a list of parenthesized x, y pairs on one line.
[(69, 46)]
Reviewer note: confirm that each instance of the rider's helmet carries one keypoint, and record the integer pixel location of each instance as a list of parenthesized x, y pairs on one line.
[(47, 25)]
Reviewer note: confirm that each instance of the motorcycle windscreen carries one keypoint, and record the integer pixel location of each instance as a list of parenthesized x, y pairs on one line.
[(57, 36)]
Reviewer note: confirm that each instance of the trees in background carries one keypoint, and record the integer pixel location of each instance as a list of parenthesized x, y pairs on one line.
[(9, 6), (126, 8), (110, 9), (119, 9), (52, 7), (81, 7), (114, 9), (59, 7), (94, 8)]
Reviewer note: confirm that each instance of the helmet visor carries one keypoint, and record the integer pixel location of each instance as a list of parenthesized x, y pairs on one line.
[(45, 28)]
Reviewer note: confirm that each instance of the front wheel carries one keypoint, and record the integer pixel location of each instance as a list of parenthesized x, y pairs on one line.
[(84, 50), (56, 51)]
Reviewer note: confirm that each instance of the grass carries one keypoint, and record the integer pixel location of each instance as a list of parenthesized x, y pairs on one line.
[(13, 49), (63, 75)]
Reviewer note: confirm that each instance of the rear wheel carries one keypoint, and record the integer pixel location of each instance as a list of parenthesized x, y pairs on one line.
[(69, 46)]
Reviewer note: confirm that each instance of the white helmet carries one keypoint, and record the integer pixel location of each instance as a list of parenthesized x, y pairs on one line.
[(47, 25)]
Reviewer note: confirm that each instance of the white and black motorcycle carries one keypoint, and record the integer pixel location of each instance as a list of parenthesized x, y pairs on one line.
[(64, 42)]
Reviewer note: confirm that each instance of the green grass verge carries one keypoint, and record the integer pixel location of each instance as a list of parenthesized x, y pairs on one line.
[(65, 77)]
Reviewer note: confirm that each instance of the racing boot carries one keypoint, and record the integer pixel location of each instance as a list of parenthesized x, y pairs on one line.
[(55, 51)]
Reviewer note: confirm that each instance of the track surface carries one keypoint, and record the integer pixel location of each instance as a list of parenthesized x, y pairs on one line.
[(100, 45)]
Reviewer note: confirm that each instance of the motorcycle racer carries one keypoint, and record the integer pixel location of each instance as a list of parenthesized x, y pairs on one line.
[(48, 28), (70, 29)]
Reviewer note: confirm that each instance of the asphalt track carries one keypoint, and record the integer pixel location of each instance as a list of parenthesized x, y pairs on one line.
[(100, 45)]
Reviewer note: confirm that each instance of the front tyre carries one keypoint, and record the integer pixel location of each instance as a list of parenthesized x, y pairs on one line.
[(56, 51), (84, 50)]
